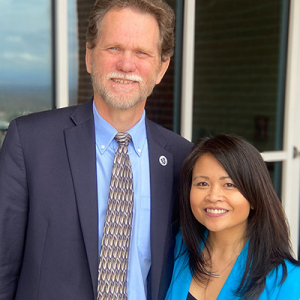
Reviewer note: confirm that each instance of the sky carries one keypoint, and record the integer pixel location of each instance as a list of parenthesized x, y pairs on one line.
[(25, 38)]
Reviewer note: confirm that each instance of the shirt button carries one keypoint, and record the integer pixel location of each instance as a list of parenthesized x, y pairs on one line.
[(139, 150), (102, 147)]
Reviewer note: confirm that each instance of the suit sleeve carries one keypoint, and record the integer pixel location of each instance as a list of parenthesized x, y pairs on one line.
[(13, 211)]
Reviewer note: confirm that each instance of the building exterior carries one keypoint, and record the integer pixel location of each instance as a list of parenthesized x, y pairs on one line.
[(236, 69)]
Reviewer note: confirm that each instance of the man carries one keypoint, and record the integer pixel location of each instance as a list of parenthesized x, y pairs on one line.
[(55, 169)]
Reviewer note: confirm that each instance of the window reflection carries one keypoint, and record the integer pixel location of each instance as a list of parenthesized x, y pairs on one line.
[(275, 170), (162, 104), (73, 51), (240, 58), (25, 59)]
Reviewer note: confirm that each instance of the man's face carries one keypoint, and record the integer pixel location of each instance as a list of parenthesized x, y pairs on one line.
[(125, 65)]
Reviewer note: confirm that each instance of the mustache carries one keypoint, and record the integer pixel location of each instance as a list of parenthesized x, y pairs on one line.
[(131, 77)]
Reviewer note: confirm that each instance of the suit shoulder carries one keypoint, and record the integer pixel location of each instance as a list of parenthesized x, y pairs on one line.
[(57, 118), (173, 139), (45, 116), (45, 127)]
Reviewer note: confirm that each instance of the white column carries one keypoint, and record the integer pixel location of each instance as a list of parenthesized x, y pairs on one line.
[(291, 167), (188, 69), (61, 56)]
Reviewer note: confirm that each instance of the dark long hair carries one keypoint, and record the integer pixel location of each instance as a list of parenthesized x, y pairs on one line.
[(267, 229)]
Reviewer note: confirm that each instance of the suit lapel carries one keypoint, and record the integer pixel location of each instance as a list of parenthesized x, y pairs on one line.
[(161, 179), (80, 141)]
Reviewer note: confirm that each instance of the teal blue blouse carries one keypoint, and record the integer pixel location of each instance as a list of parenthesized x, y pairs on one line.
[(181, 279)]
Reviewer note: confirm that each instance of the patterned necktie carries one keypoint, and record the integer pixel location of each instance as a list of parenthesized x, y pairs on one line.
[(112, 276)]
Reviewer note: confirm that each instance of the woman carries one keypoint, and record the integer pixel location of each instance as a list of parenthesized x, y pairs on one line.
[(234, 239)]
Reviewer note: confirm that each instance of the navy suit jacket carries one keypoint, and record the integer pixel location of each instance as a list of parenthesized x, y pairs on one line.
[(48, 206)]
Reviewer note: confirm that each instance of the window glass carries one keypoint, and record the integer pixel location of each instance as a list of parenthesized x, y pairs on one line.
[(275, 170), (240, 59), (85, 90), (73, 51), (25, 59), (163, 105)]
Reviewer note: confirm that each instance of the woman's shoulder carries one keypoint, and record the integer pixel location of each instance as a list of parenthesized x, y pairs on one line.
[(289, 287), (293, 271), (180, 247)]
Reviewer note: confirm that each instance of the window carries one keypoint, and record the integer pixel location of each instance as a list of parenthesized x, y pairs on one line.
[(25, 59)]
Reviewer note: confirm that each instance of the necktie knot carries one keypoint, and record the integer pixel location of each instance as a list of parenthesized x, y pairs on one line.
[(123, 138)]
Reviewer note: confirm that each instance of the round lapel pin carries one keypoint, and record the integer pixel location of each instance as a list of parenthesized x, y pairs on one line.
[(163, 161)]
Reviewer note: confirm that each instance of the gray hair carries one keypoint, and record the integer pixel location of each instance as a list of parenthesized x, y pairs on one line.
[(159, 9)]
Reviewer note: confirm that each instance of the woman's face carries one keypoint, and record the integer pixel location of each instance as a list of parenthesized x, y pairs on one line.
[(215, 201)]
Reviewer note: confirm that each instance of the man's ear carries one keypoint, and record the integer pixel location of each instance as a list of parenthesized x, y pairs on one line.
[(162, 70), (88, 59)]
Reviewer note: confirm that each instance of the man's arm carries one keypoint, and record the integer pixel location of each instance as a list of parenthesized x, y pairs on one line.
[(13, 211)]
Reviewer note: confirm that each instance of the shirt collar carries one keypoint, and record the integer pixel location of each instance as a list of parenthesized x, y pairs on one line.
[(105, 133)]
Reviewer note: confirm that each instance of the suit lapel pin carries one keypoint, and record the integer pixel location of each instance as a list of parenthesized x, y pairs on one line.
[(163, 161)]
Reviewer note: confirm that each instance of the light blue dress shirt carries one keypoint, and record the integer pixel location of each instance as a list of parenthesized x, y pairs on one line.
[(139, 253)]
